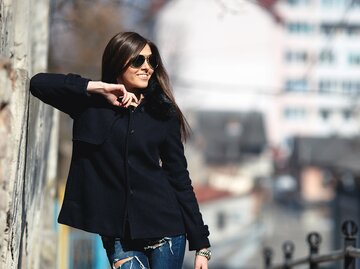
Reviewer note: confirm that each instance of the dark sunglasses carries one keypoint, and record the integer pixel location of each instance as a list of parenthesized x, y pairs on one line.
[(140, 60)]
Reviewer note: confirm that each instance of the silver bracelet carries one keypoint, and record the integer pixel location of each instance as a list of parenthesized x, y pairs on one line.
[(205, 252)]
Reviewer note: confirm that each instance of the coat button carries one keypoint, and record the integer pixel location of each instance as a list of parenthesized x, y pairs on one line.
[(132, 131)]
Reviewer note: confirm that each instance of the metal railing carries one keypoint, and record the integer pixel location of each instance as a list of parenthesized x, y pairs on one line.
[(348, 254)]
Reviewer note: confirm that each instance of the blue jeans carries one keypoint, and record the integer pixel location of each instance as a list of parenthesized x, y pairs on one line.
[(162, 253)]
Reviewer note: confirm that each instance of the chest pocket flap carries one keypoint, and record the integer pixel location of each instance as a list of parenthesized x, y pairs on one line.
[(93, 125)]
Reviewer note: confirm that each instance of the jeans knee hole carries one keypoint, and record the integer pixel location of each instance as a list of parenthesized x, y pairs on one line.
[(119, 263)]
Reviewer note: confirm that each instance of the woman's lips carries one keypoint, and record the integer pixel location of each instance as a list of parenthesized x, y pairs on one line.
[(143, 76)]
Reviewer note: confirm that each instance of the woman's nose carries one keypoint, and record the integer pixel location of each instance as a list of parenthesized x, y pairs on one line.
[(145, 65)]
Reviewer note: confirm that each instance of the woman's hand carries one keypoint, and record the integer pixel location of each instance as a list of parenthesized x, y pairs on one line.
[(115, 94), (201, 262)]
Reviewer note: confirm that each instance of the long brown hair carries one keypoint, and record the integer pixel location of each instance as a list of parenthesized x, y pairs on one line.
[(119, 52)]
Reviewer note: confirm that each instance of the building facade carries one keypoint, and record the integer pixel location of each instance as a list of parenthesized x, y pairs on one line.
[(302, 71), (320, 70)]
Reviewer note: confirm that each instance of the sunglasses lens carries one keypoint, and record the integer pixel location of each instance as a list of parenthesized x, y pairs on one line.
[(153, 61), (138, 61)]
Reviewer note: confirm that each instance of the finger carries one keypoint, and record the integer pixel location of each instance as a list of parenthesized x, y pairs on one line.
[(125, 94), (125, 101), (116, 89), (200, 263), (128, 103), (120, 99), (115, 102), (202, 266), (134, 104), (131, 98), (134, 98)]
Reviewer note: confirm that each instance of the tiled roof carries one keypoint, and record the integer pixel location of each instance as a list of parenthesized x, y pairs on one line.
[(205, 193)]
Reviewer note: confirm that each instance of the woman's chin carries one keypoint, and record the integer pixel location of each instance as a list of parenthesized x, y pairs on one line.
[(142, 85)]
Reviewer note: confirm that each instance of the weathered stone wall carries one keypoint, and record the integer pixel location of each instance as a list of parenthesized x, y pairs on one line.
[(27, 140)]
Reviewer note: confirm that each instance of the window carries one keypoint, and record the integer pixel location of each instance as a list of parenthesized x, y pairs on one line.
[(327, 86), (330, 28), (325, 114), (335, 3), (326, 28), (296, 85), (296, 56), (326, 56), (294, 113), (300, 27), (353, 29), (233, 128), (347, 87), (354, 59), (356, 4), (347, 114), (351, 87), (327, 3), (298, 2), (221, 220)]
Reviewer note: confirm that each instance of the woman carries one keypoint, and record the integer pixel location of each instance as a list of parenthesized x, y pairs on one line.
[(128, 178)]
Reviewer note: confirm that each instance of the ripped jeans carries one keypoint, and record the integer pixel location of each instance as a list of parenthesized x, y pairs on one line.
[(164, 253)]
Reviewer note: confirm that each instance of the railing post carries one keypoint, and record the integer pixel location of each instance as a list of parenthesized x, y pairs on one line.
[(268, 254), (288, 249), (314, 240), (349, 229)]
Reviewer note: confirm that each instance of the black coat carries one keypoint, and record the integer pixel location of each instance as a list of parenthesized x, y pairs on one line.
[(127, 164)]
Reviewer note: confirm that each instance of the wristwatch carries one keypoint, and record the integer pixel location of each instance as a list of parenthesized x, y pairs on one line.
[(204, 252)]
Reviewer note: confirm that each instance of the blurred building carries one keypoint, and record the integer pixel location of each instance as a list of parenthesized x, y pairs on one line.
[(320, 69), (221, 72), (301, 65), (221, 57), (227, 137), (235, 225), (296, 63)]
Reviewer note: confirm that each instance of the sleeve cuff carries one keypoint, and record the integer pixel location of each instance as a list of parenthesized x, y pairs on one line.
[(198, 239)]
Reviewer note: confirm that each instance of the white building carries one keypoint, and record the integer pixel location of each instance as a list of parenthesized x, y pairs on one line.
[(320, 70), (220, 59), (232, 55)]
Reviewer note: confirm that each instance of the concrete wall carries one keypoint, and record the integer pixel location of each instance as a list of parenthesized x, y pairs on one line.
[(27, 140)]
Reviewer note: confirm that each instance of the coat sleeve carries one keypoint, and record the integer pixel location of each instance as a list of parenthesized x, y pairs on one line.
[(64, 92), (175, 164)]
